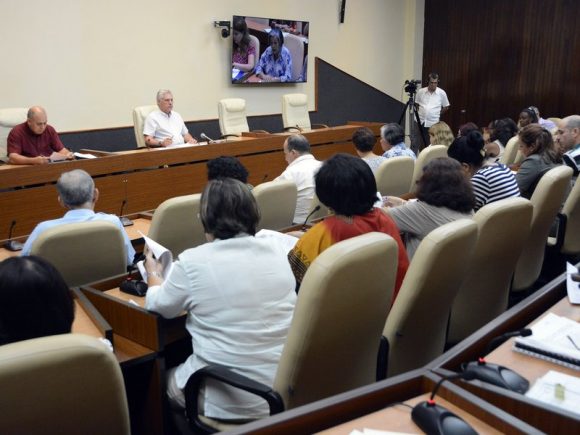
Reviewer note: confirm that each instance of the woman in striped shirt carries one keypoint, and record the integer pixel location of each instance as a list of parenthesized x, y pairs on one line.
[(490, 183)]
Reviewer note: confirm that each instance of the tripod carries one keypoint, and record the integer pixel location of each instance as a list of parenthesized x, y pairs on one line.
[(414, 113)]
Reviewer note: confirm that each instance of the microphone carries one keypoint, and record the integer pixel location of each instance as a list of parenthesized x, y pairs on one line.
[(125, 221), (499, 375), (12, 245), (207, 138), (434, 419), (314, 210)]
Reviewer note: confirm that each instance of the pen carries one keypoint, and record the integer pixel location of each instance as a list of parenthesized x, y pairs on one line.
[(572, 341)]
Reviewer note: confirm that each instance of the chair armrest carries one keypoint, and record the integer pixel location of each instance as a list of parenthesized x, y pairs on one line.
[(562, 221), (225, 136), (294, 129), (229, 377), (383, 359), (319, 126), (261, 131)]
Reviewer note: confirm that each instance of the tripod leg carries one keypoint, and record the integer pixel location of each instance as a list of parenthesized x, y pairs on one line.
[(403, 113), (420, 127)]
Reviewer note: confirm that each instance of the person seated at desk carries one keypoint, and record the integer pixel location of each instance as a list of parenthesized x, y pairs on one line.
[(34, 141), (443, 195), (227, 167), (238, 291), (392, 142), (77, 192), (165, 126), (36, 302), (301, 169), (364, 141), (347, 186), (244, 54), (275, 64)]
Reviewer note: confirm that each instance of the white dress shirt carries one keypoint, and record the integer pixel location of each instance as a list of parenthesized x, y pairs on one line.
[(239, 295), (302, 171), (430, 105), (161, 126)]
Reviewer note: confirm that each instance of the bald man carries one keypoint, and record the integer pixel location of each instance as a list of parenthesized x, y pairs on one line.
[(34, 141)]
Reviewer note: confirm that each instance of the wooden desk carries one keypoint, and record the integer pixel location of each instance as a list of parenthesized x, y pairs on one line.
[(138, 180), (374, 407), (549, 419)]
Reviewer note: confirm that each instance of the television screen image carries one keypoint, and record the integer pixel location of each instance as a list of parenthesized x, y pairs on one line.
[(269, 50)]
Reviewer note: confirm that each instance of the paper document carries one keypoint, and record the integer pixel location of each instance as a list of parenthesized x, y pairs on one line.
[(159, 252), (84, 156), (557, 389), (573, 287)]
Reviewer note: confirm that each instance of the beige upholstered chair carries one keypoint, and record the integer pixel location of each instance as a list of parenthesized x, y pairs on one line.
[(232, 116), (546, 199), (568, 240), (139, 115), (323, 211), (417, 323), (295, 114), (175, 224), (503, 227), (333, 340), (510, 152), (9, 118), (83, 252), (277, 203), (296, 47), (394, 176), (64, 384), (424, 157)]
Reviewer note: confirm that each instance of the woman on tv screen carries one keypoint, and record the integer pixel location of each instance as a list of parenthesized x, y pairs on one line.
[(244, 53), (275, 64)]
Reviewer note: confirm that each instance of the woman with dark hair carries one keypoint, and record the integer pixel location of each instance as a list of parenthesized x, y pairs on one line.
[(226, 167), (347, 186), (239, 294), (275, 64), (464, 129), (490, 183), (537, 145), (244, 53), (500, 132), (443, 195), (364, 141), (527, 116), (36, 302)]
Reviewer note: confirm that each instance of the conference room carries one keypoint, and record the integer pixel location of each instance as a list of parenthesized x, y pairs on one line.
[(113, 58)]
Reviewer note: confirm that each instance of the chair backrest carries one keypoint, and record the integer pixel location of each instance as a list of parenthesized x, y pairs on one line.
[(175, 224), (66, 384), (394, 175), (417, 323), (139, 115), (295, 111), (571, 210), (510, 152), (333, 341), (83, 252), (277, 203), (503, 227), (9, 118), (546, 199), (296, 48), (424, 157), (232, 116)]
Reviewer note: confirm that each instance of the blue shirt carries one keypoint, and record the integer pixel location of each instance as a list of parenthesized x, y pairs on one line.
[(281, 67), (75, 216), (400, 150)]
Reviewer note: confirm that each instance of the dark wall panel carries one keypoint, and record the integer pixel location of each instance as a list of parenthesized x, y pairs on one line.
[(340, 98), (496, 57)]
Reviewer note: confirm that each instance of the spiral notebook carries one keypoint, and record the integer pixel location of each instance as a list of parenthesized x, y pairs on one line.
[(555, 339)]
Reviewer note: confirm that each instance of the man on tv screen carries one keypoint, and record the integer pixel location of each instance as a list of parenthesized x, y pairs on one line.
[(275, 64)]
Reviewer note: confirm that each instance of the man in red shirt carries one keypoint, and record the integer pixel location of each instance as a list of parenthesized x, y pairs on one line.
[(34, 141)]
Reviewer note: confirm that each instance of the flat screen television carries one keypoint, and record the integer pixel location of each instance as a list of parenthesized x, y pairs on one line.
[(269, 50)]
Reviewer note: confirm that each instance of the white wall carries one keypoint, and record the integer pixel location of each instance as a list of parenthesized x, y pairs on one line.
[(90, 62)]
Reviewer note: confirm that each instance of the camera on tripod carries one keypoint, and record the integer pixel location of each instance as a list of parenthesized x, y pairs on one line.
[(411, 86)]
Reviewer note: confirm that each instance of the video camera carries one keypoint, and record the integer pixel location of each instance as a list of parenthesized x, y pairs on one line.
[(411, 86)]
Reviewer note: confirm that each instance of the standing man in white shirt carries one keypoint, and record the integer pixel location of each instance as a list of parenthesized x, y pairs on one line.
[(165, 127), (432, 102), (301, 169)]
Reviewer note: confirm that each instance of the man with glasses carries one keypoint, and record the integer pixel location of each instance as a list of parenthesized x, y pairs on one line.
[(432, 102)]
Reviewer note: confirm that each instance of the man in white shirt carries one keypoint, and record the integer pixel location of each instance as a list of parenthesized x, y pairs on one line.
[(301, 169), (432, 102), (165, 127)]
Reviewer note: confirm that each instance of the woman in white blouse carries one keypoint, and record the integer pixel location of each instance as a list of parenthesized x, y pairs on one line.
[(239, 294)]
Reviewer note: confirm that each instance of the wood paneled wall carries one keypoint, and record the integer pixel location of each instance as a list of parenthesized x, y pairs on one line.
[(497, 57)]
